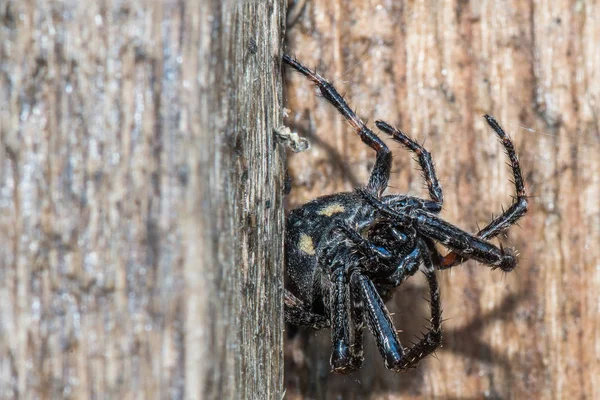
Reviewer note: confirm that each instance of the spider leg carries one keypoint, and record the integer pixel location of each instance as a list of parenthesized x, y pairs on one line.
[(513, 213), (379, 321), (396, 357), (296, 313), (343, 356), (372, 252), (407, 267), (383, 163), (433, 338), (464, 244), (358, 323), (423, 158), (460, 242)]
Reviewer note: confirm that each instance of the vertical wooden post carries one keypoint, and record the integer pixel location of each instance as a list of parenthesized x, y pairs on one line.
[(239, 180), (141, 216)]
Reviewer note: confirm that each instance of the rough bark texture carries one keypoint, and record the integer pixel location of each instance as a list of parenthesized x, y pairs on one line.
[(140, 200), (432, 69)]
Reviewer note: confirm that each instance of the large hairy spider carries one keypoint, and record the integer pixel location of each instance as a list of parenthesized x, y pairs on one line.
[(347, 252)]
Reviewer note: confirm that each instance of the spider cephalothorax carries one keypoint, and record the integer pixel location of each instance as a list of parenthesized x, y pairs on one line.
[(347, 252)]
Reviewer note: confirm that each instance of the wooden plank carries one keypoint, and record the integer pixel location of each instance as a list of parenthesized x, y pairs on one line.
[(140, 200)]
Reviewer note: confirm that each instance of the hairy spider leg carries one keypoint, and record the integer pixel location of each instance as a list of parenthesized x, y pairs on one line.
[(433, 338), (380, 174), (342, 353), (297, 313), (396, 357), (408, 266), (342, 360), (358, 323), (379, 321), (513, 213), (463, 243), (423, 158), (371, 252), (398, 218)]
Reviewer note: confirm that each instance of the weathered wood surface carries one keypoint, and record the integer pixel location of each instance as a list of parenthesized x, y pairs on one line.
[(433, 68), (140, 199)]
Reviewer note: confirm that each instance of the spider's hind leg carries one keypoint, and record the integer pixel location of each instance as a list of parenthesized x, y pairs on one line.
[(433, 338), (380, 174), (297, 313)]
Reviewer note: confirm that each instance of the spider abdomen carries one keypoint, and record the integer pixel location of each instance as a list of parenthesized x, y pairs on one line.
[(310, 229)]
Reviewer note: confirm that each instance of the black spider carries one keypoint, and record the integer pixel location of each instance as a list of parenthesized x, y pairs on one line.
[(347, 252)]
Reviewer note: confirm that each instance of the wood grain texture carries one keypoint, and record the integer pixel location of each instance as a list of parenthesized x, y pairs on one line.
[(141, 217), (432, 69)]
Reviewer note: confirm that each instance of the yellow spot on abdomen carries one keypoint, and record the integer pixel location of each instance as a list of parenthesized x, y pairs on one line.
[(331, 209), (306, 244)]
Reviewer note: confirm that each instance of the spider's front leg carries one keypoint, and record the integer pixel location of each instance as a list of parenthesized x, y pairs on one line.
[(380, 174), (379, 321), (423, 157), (513, 213), (345, 357), (396, 357), (464, 244), (377, 259), (372, 252)]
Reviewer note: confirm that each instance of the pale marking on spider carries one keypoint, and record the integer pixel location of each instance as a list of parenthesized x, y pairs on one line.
[(331, 209), (306, 244)]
